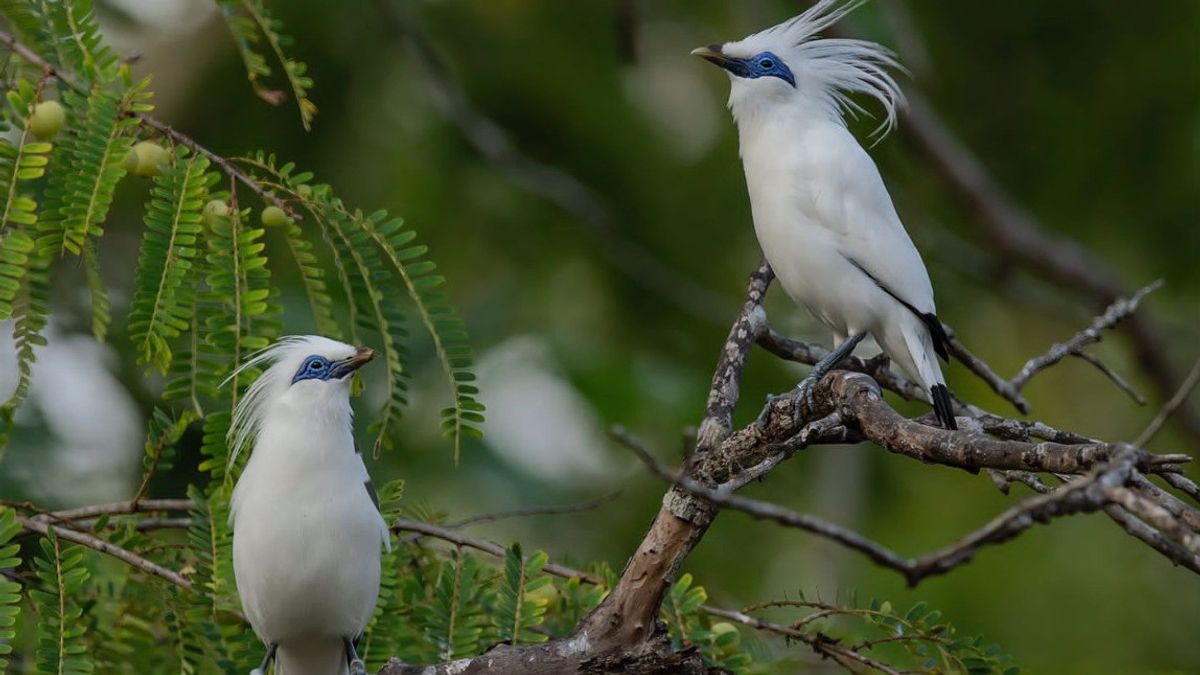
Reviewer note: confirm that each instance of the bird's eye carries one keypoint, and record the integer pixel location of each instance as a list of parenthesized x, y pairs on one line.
[(316, 365), (766, 64)]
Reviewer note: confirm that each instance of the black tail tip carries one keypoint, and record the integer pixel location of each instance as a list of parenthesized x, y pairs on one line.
[(943, 407)]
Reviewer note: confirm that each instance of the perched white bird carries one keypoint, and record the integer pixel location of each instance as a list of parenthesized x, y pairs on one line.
[(823, 217), (307, 532)]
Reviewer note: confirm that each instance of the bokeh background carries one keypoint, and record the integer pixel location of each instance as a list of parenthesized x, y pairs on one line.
[(576, 175)]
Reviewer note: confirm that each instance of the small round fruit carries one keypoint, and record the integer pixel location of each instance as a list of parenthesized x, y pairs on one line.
[(273, 216), (47, 119), (215, 209), (146, 159), (304, 190), (722, 627)]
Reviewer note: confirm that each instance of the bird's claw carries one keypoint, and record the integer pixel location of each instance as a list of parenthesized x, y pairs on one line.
[(357, 667), (760, 422), (804, 392)]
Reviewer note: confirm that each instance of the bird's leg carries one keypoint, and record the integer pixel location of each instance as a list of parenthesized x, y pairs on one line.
[(804, 390), (270, 655), (357, 667), (822, 367)]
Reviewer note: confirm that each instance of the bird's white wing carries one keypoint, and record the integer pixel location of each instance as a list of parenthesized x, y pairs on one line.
[(848, 198), (370, 489)]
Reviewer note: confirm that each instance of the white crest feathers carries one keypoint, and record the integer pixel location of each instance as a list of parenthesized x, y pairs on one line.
[(831, 68), (284, 356)]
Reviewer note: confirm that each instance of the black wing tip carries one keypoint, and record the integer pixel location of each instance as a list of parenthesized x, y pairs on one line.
[(938, 333), (943, 407)]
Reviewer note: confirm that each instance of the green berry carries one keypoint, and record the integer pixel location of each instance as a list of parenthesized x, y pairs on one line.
[(215, 209), (304, 190), (273, 216), (47, 118), (722, 627), (146, 159)]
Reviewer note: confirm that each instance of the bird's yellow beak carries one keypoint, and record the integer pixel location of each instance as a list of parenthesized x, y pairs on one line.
[(712, 54)]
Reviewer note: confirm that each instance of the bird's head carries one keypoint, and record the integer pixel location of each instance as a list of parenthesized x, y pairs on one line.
[(307, 378), (790, 65)]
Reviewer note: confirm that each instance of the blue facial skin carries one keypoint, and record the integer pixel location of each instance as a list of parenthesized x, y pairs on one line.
[(318, 367), (764, 64)]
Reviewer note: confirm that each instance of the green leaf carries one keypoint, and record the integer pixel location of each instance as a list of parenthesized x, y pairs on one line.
[(165, 281), (251, 22)]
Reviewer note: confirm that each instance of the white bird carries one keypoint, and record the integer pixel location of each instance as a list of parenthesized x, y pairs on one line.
[(823, 217), (307, 532)]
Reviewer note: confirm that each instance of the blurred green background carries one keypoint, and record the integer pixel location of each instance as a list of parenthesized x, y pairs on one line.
[(608, 301)]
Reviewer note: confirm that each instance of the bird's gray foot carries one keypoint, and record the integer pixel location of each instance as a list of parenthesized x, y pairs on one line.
[(804, 395), (270, 655), (357, 667)]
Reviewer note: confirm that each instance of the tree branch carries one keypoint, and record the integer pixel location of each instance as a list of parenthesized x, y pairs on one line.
[(95, 543), (1118, 310), (225, 165)]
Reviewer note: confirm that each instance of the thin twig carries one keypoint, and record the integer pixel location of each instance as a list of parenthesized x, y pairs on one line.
[(526, 512), (116, 508), (1118, 310), (819, 642), (95, 543), (1016, 236), (1001, 386), (1171, 406), (177, 136), (484, 545), (1183, 484), (1111, 375)]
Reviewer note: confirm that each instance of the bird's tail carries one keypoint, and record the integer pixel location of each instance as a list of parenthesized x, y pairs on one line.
[(923, 353), (312, 657)]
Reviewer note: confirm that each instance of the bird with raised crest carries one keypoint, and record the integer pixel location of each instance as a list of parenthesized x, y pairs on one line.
[(822, 214), (307, 533)]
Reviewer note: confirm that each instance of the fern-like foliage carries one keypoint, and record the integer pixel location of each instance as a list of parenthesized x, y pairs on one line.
[(10, 590), (159, 455), (77, 41), (206, 626), (20, 162), (520, 605), (437, 314), (30, 307), (214, 451), (313, 277), (455, 619), (719, 642), (372, 252), (61, 574), (16, 248), (919, 636), (251, 23), (89, 163), (390, 624), (165, 281), (101, 306)]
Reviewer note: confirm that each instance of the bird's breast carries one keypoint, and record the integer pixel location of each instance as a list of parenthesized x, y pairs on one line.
[(306, 541)]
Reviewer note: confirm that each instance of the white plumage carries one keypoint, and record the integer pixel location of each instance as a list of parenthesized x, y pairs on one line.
[(307, 533), (822, 214)]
